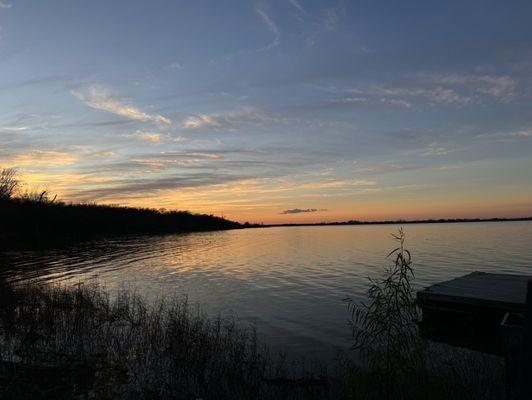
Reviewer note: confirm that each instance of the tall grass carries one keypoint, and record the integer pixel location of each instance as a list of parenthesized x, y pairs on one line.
[(61, 343)]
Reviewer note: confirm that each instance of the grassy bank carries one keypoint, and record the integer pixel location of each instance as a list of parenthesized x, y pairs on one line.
[(79, 342), (63, 343)]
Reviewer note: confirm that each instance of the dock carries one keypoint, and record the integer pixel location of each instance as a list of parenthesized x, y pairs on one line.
[(490, 313), (498, 291), (468, 311)]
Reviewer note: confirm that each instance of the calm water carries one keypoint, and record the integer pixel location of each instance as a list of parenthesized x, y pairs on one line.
[(288, 282)]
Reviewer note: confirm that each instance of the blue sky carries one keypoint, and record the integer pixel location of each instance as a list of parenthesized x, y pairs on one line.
[(330, 110)]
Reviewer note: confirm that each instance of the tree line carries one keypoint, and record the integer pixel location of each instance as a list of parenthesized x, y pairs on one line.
[(37, 215)]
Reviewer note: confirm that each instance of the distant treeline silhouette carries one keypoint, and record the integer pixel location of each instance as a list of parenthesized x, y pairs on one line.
[(406, 221), (37, 215)]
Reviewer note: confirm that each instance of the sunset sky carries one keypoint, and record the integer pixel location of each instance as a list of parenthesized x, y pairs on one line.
[(272, 111)]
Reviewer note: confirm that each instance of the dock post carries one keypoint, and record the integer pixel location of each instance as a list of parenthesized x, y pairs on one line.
[(526, 377)]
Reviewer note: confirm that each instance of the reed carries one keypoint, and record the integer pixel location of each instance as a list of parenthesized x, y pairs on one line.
[(80, 342)]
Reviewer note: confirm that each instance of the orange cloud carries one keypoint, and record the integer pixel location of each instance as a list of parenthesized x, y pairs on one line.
[(41, 158)]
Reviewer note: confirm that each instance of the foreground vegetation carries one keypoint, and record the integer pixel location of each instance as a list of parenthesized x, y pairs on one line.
[(78, 342), (63, 343), (33, 216)]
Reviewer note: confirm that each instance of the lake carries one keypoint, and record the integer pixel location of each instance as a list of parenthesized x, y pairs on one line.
[(288, 282)]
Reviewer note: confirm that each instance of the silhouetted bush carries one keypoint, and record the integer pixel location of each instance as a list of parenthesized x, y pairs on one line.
[(397, 362)]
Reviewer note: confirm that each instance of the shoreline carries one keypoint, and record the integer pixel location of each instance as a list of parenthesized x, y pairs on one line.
[(398, 222)]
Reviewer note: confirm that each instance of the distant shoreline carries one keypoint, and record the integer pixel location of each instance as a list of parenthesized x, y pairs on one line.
[(397, 222)]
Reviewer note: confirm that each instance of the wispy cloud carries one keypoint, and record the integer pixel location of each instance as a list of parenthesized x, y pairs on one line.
[(501, 87), (298, 6), (175, 65), (387, 168), (140, 188), (330, 19), (5, 4), (201, 121), (270, 24), (431, 90), (408, 95), (511, 135), (101, 98), (191, 154), (376, 102), (301, 211), (320, 26), (13, 129), (264, 15), (154, 137), (42, 158), (434, 149), (228, 120), (23, 122)]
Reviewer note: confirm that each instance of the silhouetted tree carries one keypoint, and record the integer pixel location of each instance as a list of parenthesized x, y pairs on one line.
[(8, 183)]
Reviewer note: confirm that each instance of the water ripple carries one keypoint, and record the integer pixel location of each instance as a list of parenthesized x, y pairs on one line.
[(288, 282)]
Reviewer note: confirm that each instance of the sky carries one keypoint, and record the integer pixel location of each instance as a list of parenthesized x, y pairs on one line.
[(272, 111)]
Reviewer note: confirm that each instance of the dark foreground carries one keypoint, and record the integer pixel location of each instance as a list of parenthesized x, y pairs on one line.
[(79, 342), (59, 343)]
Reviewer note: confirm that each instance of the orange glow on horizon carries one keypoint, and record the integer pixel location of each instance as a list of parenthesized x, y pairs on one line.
[(315, 197)]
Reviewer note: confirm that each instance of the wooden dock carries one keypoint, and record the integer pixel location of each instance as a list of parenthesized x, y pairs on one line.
[(491, 313), (502, 291), (468, 311)]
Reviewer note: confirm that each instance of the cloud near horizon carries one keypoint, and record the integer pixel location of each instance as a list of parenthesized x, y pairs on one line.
[(301, 211)]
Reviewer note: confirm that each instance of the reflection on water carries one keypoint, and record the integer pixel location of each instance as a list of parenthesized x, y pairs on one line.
[(288, 282)]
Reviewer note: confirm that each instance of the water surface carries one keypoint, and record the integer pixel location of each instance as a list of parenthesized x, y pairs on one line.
[(288, 282)]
